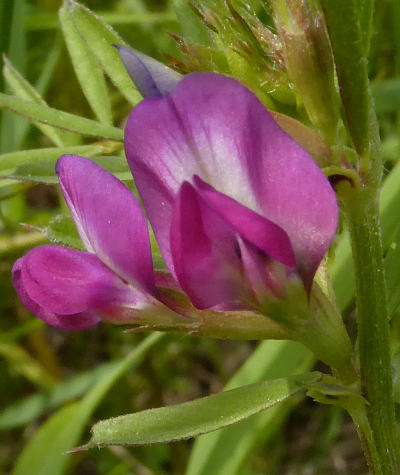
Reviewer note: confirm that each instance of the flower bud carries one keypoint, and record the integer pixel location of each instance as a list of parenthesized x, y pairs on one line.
[(309, 61)]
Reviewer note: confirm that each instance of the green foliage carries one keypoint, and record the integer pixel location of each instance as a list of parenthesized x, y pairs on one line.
[(10, 161), (24, 90), (225, 451), (348, 23), (183, 421), (192, 26), (56, 118), (100, 38), (44, 172), (30, 408), (387, 96), (239, 44), (342, 268), (88, 70), (62, 230), (62, 431), (13, 43)]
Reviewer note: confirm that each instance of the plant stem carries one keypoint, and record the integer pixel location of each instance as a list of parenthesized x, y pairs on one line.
[(358, 413), (362, 212)]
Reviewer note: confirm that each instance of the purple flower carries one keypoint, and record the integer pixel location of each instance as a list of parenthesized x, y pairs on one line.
[(151, 78), (238, 208), (71, 289), (236, 205)]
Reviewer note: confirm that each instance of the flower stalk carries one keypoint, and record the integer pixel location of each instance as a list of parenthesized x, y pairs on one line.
[(362, 212)]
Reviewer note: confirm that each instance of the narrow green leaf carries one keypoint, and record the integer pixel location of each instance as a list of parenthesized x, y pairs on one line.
[(10, 161), (45, 21), (224, 451), (100, 38), (343, 21), (41, 87), (57, 118), (118, 166), (44, 172), (87, 69), (183, 421), (62, 230), (18, 41), (44, 454), (192, 27), (22, 89), (13, 40), (365, 12)]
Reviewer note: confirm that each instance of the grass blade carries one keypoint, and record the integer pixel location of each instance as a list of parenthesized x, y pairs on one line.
[(60, 119), (13, 41), (22, 89), (10, 161), (87, 69), (100, 38)]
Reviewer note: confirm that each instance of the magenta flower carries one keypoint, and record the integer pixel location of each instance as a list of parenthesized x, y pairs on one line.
[(238, 208), (71, 289), (151, 78)]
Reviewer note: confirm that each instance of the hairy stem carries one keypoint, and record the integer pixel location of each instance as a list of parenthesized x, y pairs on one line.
[(361, 207)]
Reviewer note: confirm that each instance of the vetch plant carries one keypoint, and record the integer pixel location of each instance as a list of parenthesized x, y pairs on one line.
[(243, 202), (257, 253)]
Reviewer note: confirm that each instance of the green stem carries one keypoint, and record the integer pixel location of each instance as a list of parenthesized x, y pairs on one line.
[(358, 413), (362, 212)]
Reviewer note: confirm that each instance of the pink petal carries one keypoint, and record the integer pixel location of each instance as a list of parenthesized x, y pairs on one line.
[(109, 219), (65, 282), (205, 254), (152, 79), (78, 321), (257, 230), (213, 127)]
